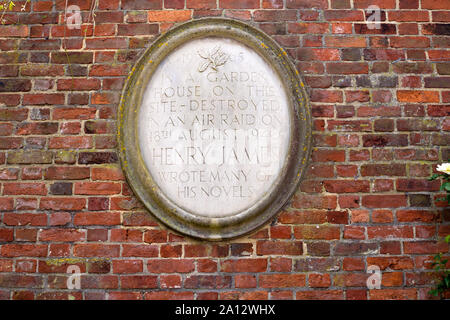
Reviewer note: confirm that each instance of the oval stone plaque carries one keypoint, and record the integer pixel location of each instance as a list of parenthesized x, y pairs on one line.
[(214, 128)]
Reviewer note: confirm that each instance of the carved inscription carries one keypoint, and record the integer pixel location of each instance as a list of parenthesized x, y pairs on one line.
[(214, 127)]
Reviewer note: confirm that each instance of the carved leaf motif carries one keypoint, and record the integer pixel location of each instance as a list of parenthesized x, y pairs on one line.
[(214, 57), (203, 66), (214, 51), (221, 59), (202, 54)]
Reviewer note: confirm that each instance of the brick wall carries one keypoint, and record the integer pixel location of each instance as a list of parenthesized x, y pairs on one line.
[(379, 98)]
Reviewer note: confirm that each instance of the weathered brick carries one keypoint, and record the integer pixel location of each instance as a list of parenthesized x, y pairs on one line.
[(244, 265), (279, 248), (303, 4), (282, 280)]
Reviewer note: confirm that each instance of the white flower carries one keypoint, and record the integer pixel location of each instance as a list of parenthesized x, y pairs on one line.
[(445, 168)]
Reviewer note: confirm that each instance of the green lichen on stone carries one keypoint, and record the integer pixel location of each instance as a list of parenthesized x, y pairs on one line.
[(65, 156), (61, 261)]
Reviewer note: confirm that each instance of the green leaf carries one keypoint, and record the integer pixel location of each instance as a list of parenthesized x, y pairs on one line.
[(447, 238), (434, 176), (433, 292), (445, 186)]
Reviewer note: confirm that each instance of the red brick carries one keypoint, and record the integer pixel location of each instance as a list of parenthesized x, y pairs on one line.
[(96, 250), (101, 173), (314, 54), (74, 113), (393, 294), (347, 171), (384, 4), (344, 186), (67, 173), (280, 232), (424, 247), (347, 67), (138, 282), (409, 42), (76, 142), (14, 31), (207, 282), (13, 188), (245, 281), (327, 96), (58, 235), (24, 250), (280, 264), (345, 42), (6, 235), (108, 70), (127, 266), (304, 4), (244, 265), (384, 201), (78, 84), (417, 185), (279, 248), (313, 28), (434, 5), (383, 170), (416, 216), (43, 99), (97, 188), (344, 15), (206, 265), (387, 232), (317, 232), (61, 204), (354, 232), (170, 266), (169, 295), (320, 294), (303, 217), (315, 201), (328, 155), (282, 280), (235, 4), (21, 281), (316, 280), (96, 218), (275, 15), (138, 250), (169, 16)]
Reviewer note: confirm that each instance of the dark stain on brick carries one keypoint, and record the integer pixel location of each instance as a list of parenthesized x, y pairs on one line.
[(89, 127), (14, 85), (61, 188), (419, 200), (384, 28), (99, 266), (375, 141), (438, 28), (97, 157)]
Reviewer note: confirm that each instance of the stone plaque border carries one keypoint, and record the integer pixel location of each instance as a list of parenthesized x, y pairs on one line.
[(137, 174)]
